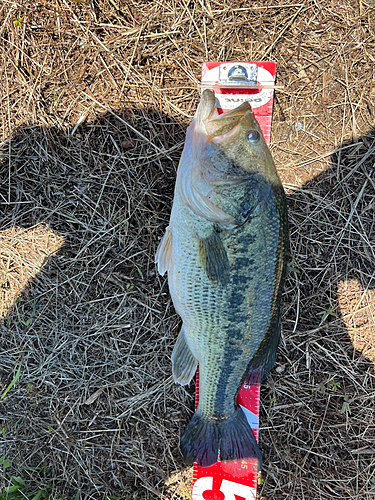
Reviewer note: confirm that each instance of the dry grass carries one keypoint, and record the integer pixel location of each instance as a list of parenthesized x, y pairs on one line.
[(23, 253), (94, 105)]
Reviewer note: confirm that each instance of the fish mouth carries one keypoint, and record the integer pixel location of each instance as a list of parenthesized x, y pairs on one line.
[(207, 106), (215, 124), (219, 128)]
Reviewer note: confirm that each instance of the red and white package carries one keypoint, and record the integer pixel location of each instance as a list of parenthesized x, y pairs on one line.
[(237, 82), (234, 83)]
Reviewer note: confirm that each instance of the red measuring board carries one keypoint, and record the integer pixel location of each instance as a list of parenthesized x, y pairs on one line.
[(234, 83)]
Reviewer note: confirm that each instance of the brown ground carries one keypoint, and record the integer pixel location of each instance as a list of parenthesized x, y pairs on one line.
[(95, 100)]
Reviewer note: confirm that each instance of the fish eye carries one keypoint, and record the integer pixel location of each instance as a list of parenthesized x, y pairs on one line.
[(253, 136)]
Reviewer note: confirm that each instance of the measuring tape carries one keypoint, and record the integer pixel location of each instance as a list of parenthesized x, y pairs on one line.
[(234, 83)]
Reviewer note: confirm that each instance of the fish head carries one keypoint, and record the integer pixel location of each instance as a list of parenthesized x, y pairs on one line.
[(224, 149), (236, 146)]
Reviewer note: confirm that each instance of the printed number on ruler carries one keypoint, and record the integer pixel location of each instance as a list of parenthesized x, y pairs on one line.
[(229, 490)]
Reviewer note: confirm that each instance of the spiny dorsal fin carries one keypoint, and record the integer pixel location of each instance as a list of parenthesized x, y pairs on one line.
[(214, 259), (163, 256)]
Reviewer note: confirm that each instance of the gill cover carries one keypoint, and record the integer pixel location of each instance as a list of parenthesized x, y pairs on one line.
[(192, 185)]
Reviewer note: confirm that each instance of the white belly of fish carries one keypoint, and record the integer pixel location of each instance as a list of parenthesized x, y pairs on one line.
[(195, 298)]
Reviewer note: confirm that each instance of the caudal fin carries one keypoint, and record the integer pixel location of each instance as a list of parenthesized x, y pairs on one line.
[(232, 438)]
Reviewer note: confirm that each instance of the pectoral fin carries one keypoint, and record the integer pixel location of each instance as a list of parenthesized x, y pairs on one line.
[(163, 257), (214, 259)]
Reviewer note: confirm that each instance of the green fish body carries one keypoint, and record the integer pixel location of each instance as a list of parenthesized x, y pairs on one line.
[(225, 251)]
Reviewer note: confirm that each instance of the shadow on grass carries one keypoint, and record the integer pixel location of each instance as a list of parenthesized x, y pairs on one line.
[(80, 218), (95, 405), (318, 404)]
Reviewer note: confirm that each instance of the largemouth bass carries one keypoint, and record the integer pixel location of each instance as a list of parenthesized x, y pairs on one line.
[(225, 251)]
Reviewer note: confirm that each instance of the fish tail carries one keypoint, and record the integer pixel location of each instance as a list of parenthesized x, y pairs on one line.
[(232, 438)]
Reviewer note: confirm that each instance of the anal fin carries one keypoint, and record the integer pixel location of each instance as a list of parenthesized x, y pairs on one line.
[(265, 356), (184, 364)]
